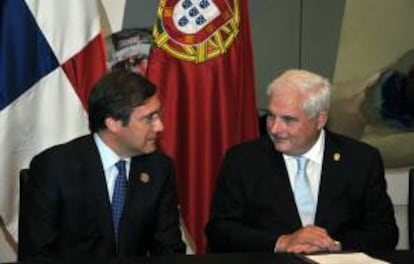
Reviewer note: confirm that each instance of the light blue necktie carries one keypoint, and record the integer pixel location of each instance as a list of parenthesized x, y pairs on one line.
[(303, 194), (118, 197)]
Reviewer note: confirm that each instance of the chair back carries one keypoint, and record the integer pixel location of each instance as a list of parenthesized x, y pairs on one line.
[(262, 122), (411, 208), (23, 178)]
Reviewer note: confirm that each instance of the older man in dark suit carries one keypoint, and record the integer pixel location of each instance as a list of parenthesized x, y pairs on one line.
[(301, 188), (108, 194)]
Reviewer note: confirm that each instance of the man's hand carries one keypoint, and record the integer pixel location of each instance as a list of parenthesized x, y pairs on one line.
[(306, 240)]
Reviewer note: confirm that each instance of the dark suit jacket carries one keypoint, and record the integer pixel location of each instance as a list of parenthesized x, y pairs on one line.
[(68, 212), (254, 204)]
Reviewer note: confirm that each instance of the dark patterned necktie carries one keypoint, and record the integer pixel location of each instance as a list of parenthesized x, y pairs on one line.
[(119, 194)]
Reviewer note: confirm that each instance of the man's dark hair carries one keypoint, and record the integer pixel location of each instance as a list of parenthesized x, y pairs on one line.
[(115, 95)]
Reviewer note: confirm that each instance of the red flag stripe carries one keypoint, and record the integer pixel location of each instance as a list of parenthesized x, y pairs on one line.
[(86, 67)]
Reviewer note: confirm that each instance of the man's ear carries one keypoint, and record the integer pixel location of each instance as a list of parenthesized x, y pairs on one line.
[(113, 125), (322, 119)]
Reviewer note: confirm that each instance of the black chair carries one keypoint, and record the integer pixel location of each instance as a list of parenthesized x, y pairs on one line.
[(262, 121), (24, 176), (411, 208)]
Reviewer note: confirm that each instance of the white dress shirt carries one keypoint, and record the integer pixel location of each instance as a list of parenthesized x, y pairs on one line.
[(314, 167), (313, 172), (109, 158)]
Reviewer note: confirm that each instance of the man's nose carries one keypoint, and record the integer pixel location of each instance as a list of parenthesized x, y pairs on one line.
[(158, 126), (276, 126)]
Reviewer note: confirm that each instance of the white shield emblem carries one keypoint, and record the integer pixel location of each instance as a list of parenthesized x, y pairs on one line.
[(191, 16)]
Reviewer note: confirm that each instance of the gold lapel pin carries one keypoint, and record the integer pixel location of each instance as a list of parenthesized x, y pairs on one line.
[(144, 177), (337, 156)]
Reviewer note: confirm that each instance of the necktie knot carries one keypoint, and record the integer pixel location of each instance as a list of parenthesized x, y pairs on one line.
[(121, 167), (302, 162)]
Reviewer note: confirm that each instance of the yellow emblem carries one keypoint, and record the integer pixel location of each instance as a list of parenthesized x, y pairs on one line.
[(196, 32), (144, 177)]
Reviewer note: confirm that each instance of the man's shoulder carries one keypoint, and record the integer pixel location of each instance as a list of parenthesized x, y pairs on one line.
[(156, 155), (346, 142), (252, 146), (66, 149)]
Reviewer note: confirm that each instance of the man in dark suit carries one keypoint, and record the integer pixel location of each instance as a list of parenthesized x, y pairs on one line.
[(73, 188), (265, 200)]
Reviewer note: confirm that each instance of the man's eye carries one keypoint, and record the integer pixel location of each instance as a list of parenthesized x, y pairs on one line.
[(151, 118), (289, 119), (270, 116)]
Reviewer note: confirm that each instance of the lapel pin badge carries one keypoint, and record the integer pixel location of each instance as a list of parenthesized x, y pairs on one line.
[(337, 156), (144, 177)]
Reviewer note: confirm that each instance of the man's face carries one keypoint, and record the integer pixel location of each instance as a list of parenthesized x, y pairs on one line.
[(140, 134), (292, 130)]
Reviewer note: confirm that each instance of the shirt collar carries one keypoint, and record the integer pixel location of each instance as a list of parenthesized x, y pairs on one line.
[(315, 153), (108, 156)]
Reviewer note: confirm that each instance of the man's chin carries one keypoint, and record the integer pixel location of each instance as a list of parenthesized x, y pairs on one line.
[(283, 148), (151, 147)]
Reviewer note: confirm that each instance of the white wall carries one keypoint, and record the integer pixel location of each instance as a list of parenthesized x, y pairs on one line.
[(374, 34), (397, 181)]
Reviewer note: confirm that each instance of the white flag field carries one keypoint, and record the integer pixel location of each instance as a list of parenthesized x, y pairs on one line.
[(51, 53)]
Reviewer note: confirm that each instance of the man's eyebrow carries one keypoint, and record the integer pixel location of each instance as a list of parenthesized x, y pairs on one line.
[(289, 118)]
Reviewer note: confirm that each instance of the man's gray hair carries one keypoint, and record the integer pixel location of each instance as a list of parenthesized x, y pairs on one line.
[(315, 87)]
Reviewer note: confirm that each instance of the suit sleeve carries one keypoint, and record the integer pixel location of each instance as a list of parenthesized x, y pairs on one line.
[(167, 235), (41, 205), (377, 229), (228, 230)]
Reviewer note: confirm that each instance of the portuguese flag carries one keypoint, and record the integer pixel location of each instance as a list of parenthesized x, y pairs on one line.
[(203, 67)]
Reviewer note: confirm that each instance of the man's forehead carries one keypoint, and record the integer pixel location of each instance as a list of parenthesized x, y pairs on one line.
[(151, 104)]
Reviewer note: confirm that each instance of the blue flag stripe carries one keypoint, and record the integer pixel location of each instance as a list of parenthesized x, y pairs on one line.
[(25, 55)]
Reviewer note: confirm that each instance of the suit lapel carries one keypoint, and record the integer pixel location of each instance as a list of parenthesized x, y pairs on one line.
[(138, 179), (95, 176), (139, 176), (330, 178), (282, 190)]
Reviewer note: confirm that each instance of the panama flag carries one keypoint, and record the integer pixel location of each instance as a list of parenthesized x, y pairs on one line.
[(51, 52)]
